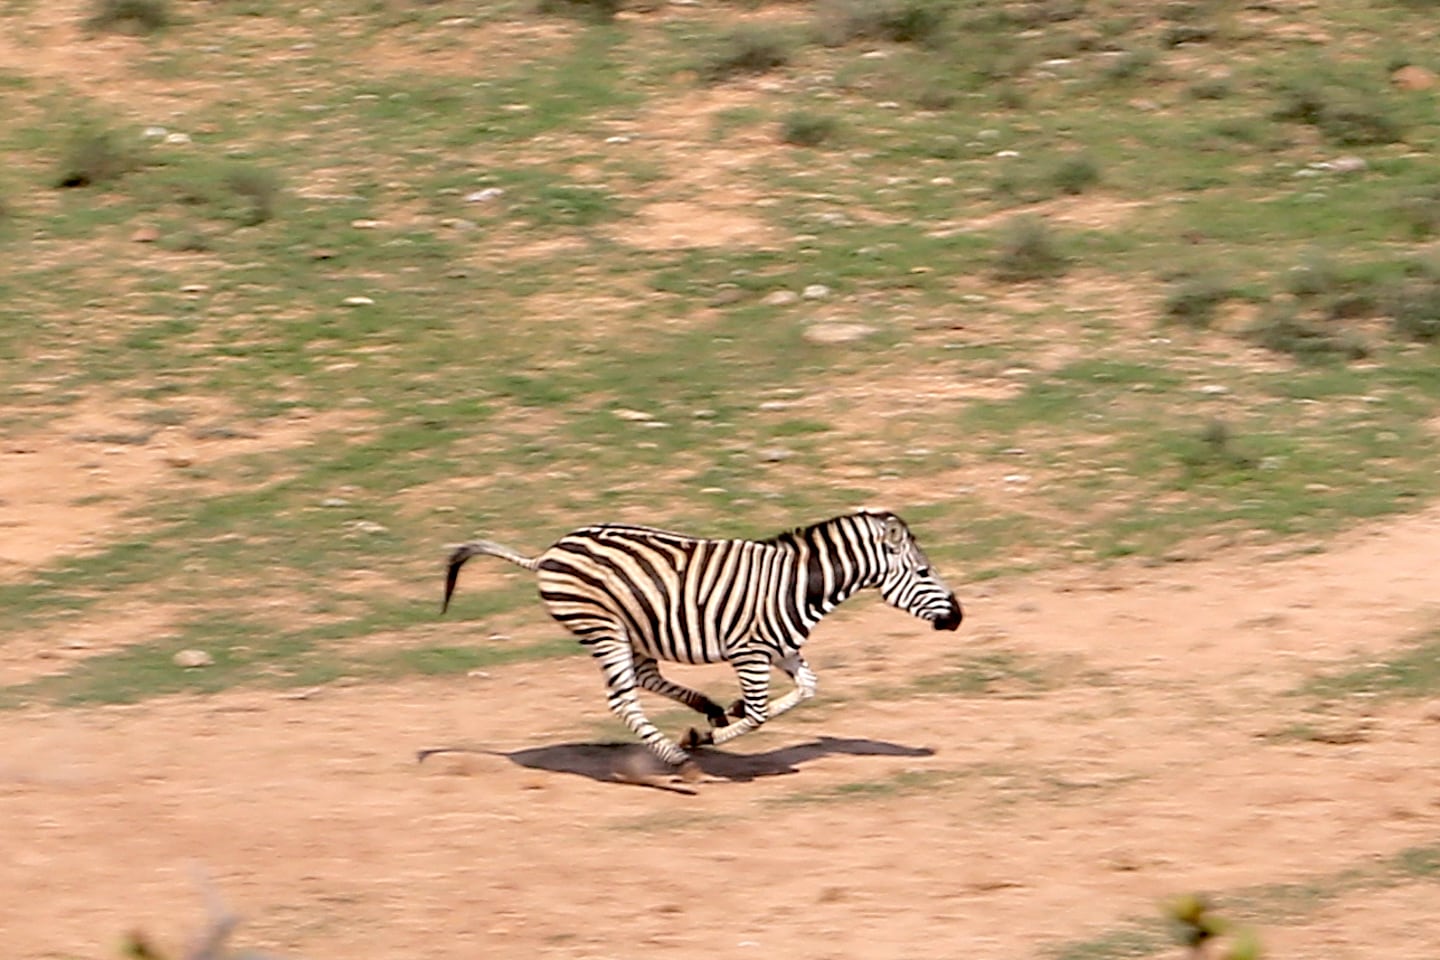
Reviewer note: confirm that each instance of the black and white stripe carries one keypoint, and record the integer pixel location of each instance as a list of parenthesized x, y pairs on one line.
[(636, 596)]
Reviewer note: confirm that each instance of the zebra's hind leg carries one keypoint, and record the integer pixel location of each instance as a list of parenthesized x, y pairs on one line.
[(617, 662), (647, 674)]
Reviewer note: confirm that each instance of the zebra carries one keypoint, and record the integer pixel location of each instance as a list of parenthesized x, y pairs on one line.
[(637, 595)]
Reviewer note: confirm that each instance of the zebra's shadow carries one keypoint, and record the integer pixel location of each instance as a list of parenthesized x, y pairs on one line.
[(633, 764)]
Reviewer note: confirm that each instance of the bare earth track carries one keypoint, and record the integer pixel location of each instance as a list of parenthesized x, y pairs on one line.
[(1042, 818)]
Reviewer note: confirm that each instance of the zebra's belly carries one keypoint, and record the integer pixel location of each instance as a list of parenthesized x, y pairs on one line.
[(678, 647)]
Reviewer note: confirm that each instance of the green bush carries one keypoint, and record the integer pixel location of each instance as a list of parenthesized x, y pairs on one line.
[(596, 11), (1075, 174), (1028, 251), (1344, 113), (747, 49), (802, 128), (1414, 308), (129, 16), (1193, 300), (1285, 329), (94, 155), (899, 21)]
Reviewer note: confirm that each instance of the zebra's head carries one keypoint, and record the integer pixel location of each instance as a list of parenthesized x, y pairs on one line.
[(908, 582)]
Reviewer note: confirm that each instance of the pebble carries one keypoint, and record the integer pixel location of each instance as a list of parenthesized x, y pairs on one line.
[(177, 138), (775, 454), (190, 659), (780, 298), (364, 224), (838, 332), (485, 196), (815, 291), (357, 302)]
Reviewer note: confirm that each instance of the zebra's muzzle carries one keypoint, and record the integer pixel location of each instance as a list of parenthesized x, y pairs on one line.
[(950, 620)]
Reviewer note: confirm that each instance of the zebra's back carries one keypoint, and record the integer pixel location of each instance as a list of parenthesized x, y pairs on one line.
[(676, 597)]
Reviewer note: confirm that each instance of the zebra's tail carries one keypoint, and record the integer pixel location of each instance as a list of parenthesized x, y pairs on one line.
[(480, 548)]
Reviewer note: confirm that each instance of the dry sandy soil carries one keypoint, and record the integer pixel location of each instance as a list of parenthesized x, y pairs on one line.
[(867, 825)]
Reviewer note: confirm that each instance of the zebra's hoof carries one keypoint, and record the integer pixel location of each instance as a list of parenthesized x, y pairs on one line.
[(737, 709), (689, 772), (718, 719), (694, 739)]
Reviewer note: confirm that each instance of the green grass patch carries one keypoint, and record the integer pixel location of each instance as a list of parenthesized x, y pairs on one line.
[(1410, 672)]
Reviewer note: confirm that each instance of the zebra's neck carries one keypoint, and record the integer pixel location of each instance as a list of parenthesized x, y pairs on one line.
[(836, 559)]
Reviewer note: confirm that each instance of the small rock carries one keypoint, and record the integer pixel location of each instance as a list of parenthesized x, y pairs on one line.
[(368, 526), (177, 138), (775, 454), (364, 224), (1413, 78), (815, 291), (776, 405), (617, 139), (457, 223), (780, 298), (634, 416), (485, 195), (726, 296), (1349, 164), (334, 502), (194, 288), (179, 462), (838, 332), (145, 235), (1005, 154), (191, 659), (322, 254), (357, 302), (153, 133), (1212, 389), (1017, 478)]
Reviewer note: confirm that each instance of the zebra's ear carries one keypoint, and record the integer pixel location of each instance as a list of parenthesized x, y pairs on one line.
[(894, 533)]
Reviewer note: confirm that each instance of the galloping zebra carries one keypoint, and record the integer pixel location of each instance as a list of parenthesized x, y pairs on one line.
[(636, 595)]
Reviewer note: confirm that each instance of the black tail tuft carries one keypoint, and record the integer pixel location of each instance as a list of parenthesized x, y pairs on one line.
[(457, 560)]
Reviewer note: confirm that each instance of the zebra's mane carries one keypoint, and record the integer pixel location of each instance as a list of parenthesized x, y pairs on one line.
[(799, 535)]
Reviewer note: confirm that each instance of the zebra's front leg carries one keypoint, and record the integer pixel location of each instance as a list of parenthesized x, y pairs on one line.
[(753, 669), (805, 684), (617, 661)]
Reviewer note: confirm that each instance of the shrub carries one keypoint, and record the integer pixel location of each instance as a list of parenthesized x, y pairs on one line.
[(1284, 329), (747, 49), (257, 192), (1028, 251), (596, 11), (899, 21), (1075, 174), (1193, 300), (129, 16), (1418, 209), (1414, 308), (94, 155), (1345, 114), (802, 128)]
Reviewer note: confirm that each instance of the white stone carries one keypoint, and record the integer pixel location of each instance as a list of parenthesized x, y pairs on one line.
[(190, 659)]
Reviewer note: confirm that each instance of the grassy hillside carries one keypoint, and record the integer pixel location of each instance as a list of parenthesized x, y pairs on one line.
[(1061, 281)]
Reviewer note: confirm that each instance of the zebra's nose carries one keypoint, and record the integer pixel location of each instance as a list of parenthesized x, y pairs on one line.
[(951, 619)]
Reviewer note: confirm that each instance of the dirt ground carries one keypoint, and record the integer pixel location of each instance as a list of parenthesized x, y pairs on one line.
[(867, 825)]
